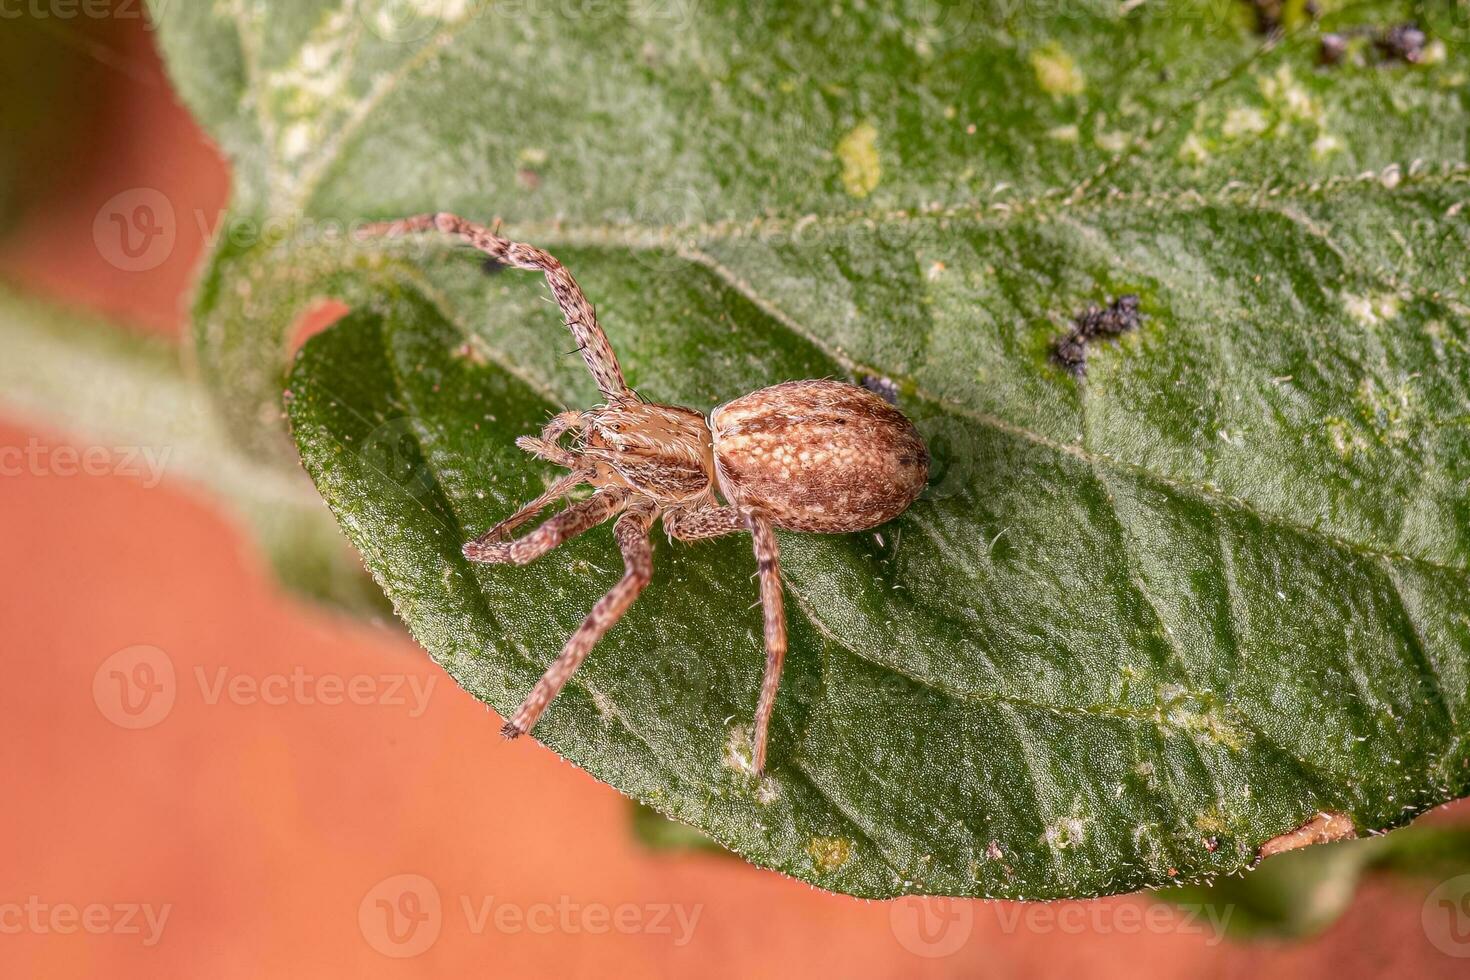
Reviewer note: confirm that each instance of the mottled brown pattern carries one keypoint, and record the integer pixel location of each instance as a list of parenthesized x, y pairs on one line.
[(818, 456), (704, 520), (802, 456)]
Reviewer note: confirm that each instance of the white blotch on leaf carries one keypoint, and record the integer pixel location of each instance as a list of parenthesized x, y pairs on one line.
[(1243, 121), (740, 750), (1064, 833)]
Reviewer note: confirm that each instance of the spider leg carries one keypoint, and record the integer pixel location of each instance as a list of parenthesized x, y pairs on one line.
[(581, 516), (548, 445), (768, 560), (549, 451), (579, 314), (700, 523), (631, 531), (561, 424), (558, 489)]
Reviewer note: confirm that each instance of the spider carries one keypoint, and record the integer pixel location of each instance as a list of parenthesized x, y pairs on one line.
[(817, 456)]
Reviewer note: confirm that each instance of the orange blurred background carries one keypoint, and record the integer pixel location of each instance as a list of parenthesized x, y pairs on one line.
[(271, 838)]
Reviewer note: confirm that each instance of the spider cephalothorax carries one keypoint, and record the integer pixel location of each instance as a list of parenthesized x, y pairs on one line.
[(820, 456)]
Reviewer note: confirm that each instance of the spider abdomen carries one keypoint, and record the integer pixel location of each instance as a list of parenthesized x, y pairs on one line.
[(818, 456)]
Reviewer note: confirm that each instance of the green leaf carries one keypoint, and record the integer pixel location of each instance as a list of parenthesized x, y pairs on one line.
[(1141, 623)]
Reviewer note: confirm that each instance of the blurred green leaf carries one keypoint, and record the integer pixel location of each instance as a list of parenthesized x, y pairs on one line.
[(98, 383), (45, 63), (1300, 893), (658, 833), (1141, 623)]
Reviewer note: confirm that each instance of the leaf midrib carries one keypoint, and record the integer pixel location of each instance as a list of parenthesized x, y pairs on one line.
[(292, 255)]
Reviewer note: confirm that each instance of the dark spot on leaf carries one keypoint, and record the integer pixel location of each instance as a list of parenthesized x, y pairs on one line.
[(1274, 17), (1401, 43), (1118, 317), (1332, 49), (491, 267)]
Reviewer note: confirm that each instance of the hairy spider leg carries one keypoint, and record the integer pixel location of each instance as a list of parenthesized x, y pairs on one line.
[(631, 532), (548, 445), (579, 314), (562, 486), (700, 524), (768, 565), (577, 519)]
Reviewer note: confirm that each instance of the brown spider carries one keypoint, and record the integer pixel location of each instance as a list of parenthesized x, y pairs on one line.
[(819, 456)]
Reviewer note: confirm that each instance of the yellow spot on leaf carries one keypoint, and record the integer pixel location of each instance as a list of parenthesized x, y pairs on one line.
[(1193, 149), (1056, 72), (1289, 97), (829, 853), (858, 152)]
